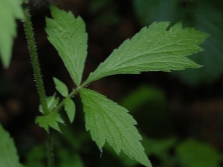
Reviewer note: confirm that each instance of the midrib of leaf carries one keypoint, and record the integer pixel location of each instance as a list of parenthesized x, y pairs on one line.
[(153, 50), (106, 115), (136, 57), (124, 139), (149, 53), (70, 53), (73, 54)]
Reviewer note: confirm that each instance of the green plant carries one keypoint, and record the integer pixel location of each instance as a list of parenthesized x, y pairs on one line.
[(159, 47)]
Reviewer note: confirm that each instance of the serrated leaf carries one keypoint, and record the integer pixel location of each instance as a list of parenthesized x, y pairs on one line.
[(50, 120), (9, 11), (8, 153), (69, 107), (60, 87), (107, 121), (51, 101), (156, 48), (67, 34)]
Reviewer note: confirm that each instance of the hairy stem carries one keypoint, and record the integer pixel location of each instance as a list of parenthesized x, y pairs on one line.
[(50, 151), (34, 60), (38, 79)]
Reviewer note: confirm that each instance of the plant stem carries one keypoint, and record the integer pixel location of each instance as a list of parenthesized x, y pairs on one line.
[(75, 91), (34, 60), (50, 151), (38, 79)]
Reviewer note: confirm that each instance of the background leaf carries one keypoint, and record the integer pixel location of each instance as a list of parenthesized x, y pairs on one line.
[(69, 159), (67, 34), (206, 18), (36, 156), (157, 10), (69, 107), (9, 11), (156, 48), (8, 153), (141, 95), (60, 87), (203, 15), (193, 153), (107, 121)]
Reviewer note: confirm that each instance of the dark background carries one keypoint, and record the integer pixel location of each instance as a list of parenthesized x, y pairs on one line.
[(178, 114)]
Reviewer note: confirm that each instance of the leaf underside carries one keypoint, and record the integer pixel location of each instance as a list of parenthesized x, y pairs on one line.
[(67, 34), (158, 47), (107, 121)]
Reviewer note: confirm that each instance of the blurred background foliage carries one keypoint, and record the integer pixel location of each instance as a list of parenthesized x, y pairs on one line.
[(179, 114), (204, 15)]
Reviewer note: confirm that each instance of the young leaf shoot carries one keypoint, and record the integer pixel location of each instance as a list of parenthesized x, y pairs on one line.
[(60, 87), (69, 107)]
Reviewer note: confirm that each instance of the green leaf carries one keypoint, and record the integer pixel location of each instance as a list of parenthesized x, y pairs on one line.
[(107, 121), (68, 158), (67, 34), (192, 153), (9, 11), (60, 87), (51, 101), (159, 147), (69, 107), (50, 120), (8, 153), (35, 156), (156, 48)]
